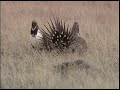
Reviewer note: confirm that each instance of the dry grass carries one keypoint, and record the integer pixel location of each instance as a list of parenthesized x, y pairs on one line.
[(23, 67)]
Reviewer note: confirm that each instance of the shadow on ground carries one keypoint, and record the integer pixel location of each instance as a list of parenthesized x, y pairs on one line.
[(66, 67)]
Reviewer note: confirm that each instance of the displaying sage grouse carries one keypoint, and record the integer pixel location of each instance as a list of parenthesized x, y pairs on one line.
[(57, 36)]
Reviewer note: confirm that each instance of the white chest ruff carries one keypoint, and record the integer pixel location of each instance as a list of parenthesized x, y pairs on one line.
[(37, 40), (39, 35)]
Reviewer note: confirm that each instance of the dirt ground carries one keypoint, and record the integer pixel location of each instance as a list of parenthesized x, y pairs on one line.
[(24, 67)]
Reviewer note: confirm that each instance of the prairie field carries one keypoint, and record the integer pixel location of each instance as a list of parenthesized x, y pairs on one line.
[(26, 68)]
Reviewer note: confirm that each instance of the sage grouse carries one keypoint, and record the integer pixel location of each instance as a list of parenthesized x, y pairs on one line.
[(57, 36)]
